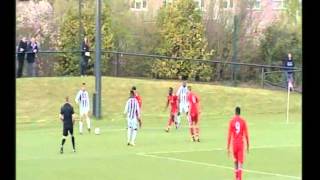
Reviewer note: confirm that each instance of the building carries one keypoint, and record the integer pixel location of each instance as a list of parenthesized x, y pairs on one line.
[(261, 12)]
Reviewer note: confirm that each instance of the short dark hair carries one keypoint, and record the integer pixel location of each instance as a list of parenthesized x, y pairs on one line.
[(83, 83), (132, 92), (237, 110), (170, 88), (133, 88)]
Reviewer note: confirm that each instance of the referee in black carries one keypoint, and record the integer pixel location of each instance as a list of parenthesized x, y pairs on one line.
[(67, 118)]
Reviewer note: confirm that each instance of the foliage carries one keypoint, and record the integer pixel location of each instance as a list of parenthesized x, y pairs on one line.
[(182, 35), (36, 18), (69, 38)]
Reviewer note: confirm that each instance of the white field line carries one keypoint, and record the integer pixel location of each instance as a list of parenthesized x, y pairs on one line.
[(217, 149), (221, 166)]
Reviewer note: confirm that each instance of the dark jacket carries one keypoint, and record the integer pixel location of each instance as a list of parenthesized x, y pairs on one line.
[(288, 64), (22, 49), (32, 49), (84, 48)]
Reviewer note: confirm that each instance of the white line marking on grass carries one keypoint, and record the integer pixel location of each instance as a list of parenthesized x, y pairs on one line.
[(218, 149), (218, 166)]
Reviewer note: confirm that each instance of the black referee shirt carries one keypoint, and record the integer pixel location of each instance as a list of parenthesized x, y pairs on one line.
[(66, 112)]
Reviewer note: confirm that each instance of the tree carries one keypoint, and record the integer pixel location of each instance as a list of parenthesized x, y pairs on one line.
[(68, 64), (182, 35), (37, 19)]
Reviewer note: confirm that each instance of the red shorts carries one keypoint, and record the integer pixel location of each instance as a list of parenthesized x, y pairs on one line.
[(194, 117), (174, 111), (238, 153)]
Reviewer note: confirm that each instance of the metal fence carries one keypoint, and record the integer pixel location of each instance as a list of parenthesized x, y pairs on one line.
[(124, 64)]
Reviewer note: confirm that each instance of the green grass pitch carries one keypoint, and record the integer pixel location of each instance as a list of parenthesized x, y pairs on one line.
[(275, 146)]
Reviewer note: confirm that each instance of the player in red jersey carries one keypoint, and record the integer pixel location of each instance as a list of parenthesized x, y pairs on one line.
[(136, 95), (193, 116), (238, 131), (173, 101)]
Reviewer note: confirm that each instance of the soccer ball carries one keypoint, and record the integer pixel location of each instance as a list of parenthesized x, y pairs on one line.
[(97, 131)]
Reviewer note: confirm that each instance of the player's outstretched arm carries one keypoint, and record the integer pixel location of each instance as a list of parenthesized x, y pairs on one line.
[(167, 104), (139, 114), (77, 98), (229, 139), (73, 118), (246, 136), (126, 108)]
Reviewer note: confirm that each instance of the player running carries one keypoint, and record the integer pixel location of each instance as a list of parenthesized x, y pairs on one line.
[(67, 118), (173, 101), (183, 102), (132, 110), (84, 106), (237, 131), (194, 111)]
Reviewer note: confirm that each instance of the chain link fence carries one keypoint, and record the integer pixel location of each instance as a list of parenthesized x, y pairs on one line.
[(122, 64)]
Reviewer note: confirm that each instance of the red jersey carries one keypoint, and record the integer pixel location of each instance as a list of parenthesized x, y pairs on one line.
[(138, 99), (193, 101), (173, 100), (237, 131)]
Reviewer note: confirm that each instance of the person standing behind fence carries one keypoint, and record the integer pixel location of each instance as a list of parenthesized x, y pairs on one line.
[(22, 49), (289, 65), (85, 55), (32, 50)]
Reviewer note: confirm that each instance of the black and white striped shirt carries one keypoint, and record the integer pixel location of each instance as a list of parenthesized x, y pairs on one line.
[(182, 94), (132, 108), (83, 98)]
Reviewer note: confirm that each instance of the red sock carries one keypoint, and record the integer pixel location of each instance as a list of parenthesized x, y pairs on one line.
[(191, 131), (197, 131), (170, 121), (236, 173), (240, 174)]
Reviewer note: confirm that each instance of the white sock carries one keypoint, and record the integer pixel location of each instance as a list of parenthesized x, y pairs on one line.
[(189, 119), (88, 122), (134, 134), (80, 126), (129, 135), (178, 119)]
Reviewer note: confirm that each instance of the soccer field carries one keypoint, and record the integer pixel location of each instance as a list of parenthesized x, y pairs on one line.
[(275, 146)]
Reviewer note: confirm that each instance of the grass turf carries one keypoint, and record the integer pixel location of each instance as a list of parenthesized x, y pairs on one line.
[(275, 153)]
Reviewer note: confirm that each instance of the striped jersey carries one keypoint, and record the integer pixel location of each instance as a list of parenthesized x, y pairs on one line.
[(83, 99), (132, 108), (182, 93)]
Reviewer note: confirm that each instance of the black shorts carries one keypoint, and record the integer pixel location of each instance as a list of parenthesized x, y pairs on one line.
[(66, 129)]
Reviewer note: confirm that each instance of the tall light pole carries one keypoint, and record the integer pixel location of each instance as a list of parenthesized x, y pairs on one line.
[(80, 27), (97, 109)]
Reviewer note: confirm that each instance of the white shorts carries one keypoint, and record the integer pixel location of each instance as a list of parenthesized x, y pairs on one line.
[(133, 123), (183, 108), (84, 111)]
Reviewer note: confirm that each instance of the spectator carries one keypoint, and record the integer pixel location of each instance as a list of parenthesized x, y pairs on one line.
[(85, 55), (289, 65), (22, 49), (32, 49)]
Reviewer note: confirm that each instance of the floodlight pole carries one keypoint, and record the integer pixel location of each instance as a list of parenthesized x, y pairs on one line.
[(97, 112), (80, 29), (288, 103), (235, 38)]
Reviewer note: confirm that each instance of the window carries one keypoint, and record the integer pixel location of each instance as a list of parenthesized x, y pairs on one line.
[(254, 4), (257, 4), (139, 4), (278, 4), (167, 2), (199, 4), (227, 4)]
